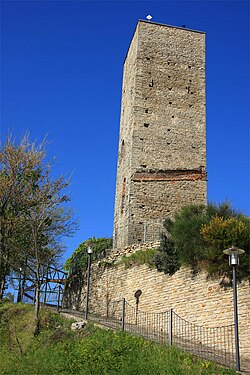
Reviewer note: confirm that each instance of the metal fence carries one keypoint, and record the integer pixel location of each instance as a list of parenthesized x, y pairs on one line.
[(52, 282), (212, 343)]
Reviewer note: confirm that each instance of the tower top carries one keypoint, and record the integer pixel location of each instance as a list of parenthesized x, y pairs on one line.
[(166, 25), (152, 23)]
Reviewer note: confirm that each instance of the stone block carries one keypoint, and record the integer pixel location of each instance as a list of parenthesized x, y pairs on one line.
[(78, 325)]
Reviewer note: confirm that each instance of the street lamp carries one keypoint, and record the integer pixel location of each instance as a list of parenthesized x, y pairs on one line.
[(89, 251), (234, 253)]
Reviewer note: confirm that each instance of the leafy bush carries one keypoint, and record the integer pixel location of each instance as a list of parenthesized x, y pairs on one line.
[(197, 236), (79, 259)]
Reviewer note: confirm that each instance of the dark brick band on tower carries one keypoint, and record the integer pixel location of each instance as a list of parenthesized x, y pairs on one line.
[(162, 146)]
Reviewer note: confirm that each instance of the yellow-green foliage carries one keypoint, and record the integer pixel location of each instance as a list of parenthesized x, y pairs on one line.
[(223, 233)]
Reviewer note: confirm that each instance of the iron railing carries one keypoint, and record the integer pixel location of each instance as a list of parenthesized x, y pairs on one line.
[(212, 343)]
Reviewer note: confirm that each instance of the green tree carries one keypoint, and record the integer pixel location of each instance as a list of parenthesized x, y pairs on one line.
[(33, 213), (182, 243), (46, 221), (19, 168)]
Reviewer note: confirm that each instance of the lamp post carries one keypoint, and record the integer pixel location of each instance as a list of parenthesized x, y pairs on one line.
[(89, 251), (234, 253)]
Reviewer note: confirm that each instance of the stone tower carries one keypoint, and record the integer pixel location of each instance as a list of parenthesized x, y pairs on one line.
[(162, 146)]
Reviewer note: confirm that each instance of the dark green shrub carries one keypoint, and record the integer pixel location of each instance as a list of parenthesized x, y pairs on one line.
[(166, 260)]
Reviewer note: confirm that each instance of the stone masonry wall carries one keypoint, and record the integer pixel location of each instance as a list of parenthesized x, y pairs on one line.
[(194, 298), (121, 215), (162, 128), (152, 205)]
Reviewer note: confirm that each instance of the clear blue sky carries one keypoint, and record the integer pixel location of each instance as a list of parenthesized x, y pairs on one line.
[(61, 75)]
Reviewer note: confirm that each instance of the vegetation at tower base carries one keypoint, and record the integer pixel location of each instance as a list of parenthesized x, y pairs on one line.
[(33, 213), (91, 351), (197, 236), (138, 258), (77, 262)]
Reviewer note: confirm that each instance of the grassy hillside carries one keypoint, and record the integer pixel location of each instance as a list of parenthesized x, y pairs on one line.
[(93, 351)]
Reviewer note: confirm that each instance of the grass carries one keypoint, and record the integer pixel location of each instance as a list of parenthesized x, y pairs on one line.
[(91, 351), (139, 258)]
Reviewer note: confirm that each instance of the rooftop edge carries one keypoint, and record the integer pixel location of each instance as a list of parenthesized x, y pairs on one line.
[(160, 24), (174, 27)]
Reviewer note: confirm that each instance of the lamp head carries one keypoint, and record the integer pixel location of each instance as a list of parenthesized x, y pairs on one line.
[(89, 250), (233, 253)]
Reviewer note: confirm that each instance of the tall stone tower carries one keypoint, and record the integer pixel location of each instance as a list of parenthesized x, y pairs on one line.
[(162, 146)]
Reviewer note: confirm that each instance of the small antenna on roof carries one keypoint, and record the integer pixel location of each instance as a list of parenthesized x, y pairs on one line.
[(149, 18)]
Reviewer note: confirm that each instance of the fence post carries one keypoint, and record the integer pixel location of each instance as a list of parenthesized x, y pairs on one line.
[(170, 326), (58, 298), (123, 314)]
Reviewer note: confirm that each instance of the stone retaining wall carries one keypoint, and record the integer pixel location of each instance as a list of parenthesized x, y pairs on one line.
[(195, 298)]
